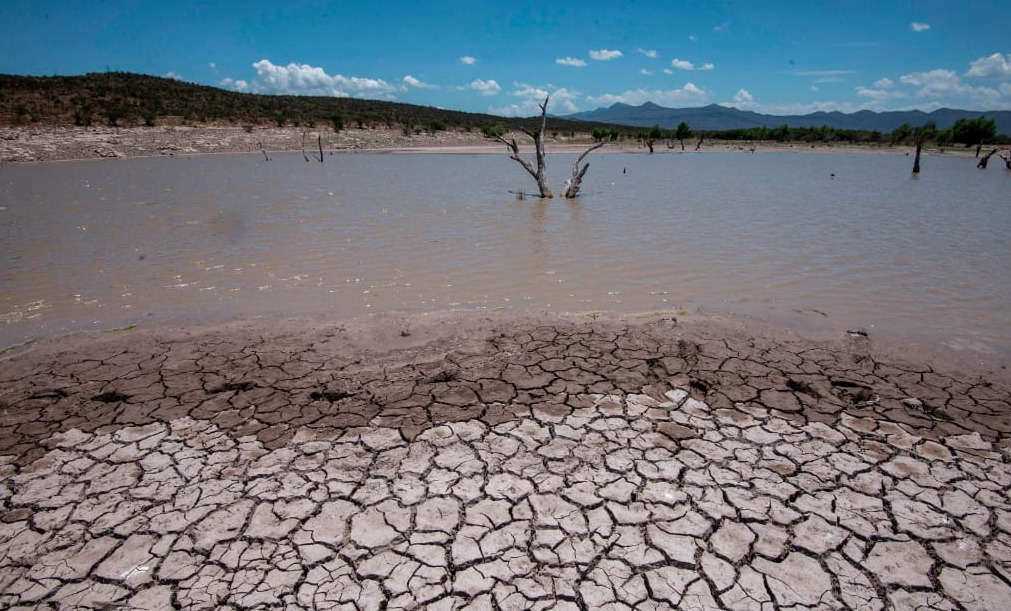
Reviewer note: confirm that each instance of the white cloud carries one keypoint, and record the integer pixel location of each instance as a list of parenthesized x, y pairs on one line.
[(945, 88), (693, 38), (743, 96), (173, 76), (885, 83), (489, 87), (743, 100), (645, 72), (303, 79), (880, 95), (814, 88), (212, 66), (235, 85), (689, 95), (916, 26), (604, 55), (649, 52), (723, 26), (668, 71), (934, 82), (562, 101), (410, 81), (570, 61), (992, 66), (682, 64), (468, 60)]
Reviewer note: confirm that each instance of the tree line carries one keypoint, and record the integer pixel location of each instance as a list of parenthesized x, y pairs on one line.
[(966, 132)]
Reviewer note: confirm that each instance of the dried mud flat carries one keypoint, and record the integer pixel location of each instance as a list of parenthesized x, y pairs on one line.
[(456, 461)]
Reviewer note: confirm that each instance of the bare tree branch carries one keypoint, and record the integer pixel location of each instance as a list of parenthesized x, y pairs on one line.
[(539, 172), (572, 185)]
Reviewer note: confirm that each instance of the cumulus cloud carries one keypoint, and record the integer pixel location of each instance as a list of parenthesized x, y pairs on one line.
[(173, 76), (489, 87), (885, 83), (880, 95), (682, 64), (562, 101), (689, 94), (604, 55), (234, 84), (917, 26), (303, 79), (468, 60), (649, 52), (410, 81), (570, 61), (945, 88), (743, 100), (743, 96), (645, 72), (668, 71), (992, 66)]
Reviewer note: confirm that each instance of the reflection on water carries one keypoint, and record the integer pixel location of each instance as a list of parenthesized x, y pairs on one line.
[(100, 245)]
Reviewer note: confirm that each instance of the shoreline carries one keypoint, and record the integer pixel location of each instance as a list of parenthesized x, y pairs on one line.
[(55, 144)]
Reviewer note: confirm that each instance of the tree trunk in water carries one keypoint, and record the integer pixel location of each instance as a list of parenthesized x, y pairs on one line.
[(699, 145), (985, 160), (540, 172), (649, 143), (572, 185), (916, 160)]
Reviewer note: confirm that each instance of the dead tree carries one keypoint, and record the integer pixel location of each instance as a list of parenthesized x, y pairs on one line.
[(927, 130), (1007, 160), (264, 151), (319, 142), (699, 144), (916, 160), (985, 160), (571, 188), (540, 172)]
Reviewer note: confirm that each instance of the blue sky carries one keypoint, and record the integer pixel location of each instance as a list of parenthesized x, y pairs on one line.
[(774, 56)]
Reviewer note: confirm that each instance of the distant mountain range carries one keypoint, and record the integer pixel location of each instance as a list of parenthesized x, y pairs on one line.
[(716, 117)]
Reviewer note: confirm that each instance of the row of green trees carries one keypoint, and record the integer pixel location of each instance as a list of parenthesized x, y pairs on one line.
[(966, 132)]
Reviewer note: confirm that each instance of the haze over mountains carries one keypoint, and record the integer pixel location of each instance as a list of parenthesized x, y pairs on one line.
[(716, 117)]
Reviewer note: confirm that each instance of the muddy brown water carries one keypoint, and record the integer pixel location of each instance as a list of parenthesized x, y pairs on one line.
[(840, 241)]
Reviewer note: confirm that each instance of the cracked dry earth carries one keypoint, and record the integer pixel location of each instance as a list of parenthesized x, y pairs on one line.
[(528, 464)]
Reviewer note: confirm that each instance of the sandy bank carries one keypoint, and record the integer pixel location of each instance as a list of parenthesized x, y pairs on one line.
[(33, 144)]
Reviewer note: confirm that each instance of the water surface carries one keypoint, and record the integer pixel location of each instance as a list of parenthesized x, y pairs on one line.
[(844, 240)]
